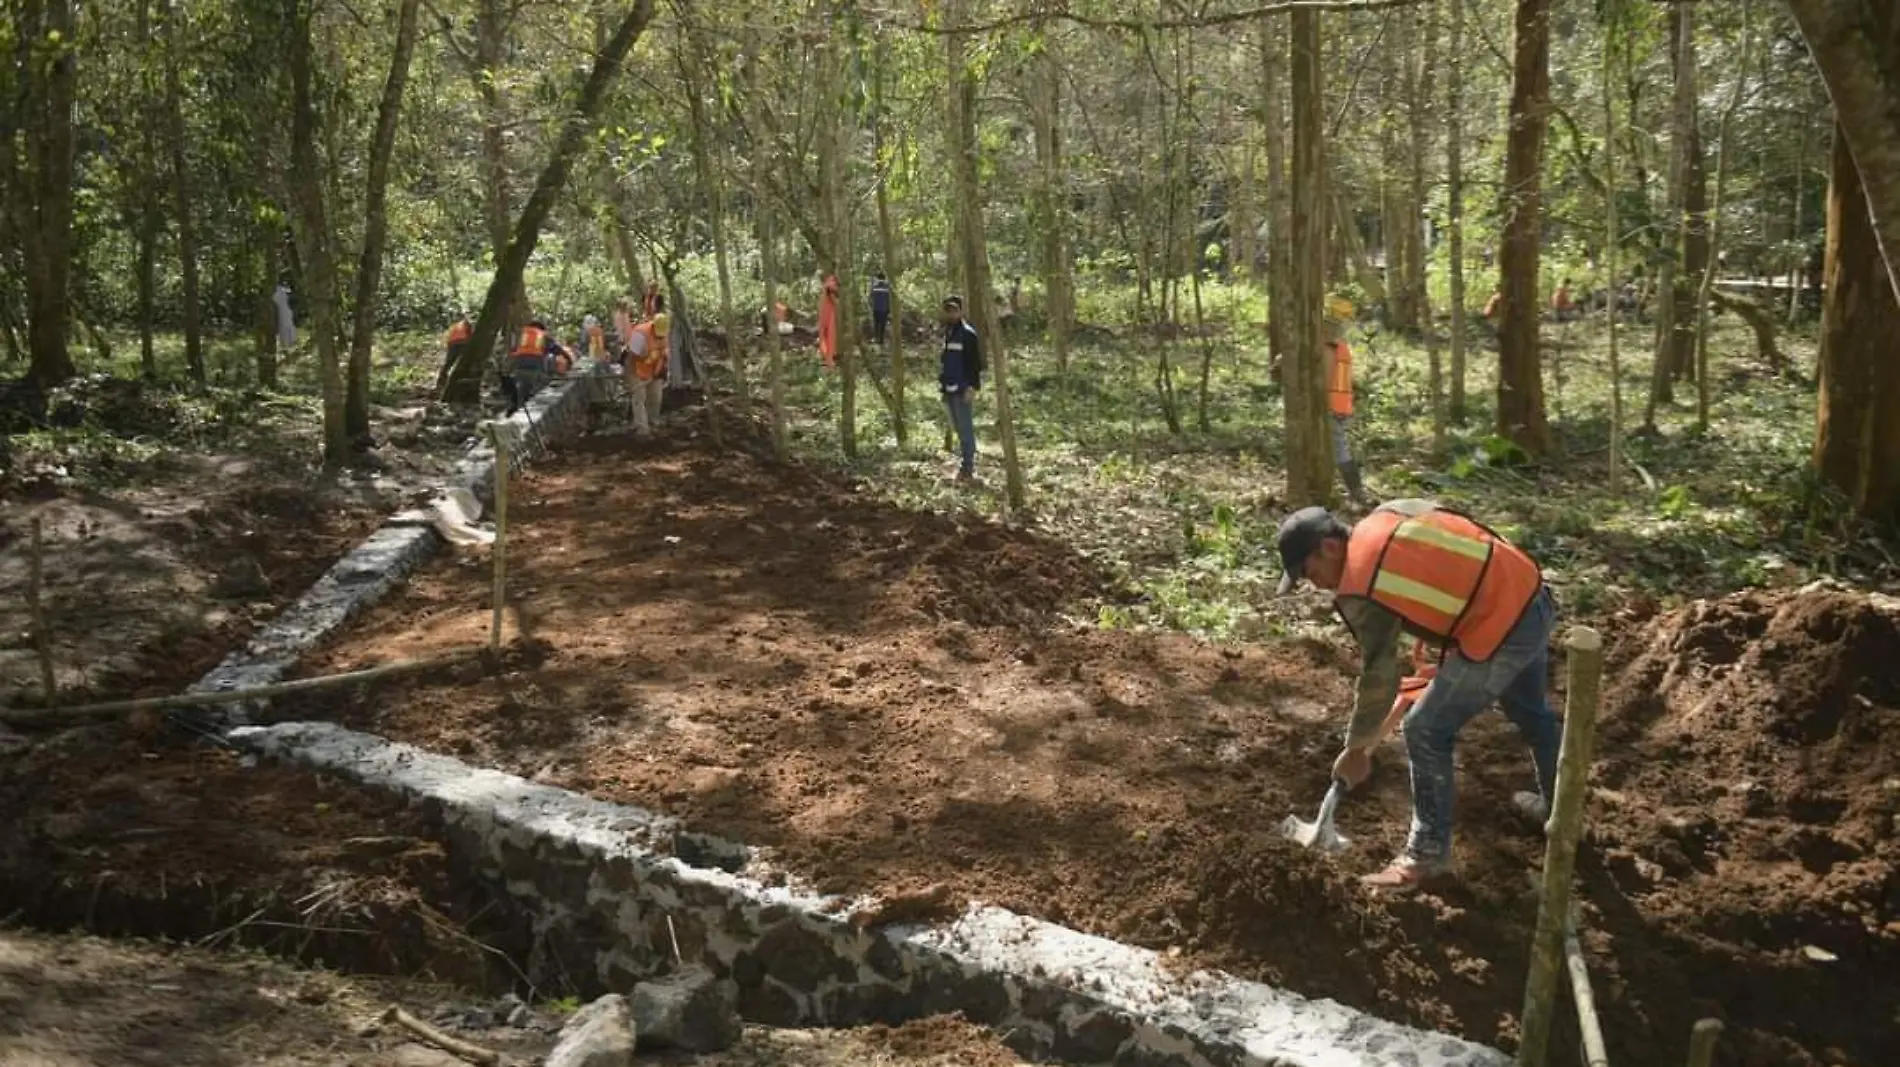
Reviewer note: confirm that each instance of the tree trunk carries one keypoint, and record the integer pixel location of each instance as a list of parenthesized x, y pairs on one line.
[(887, 245), (1280, 298), (975, 255), (1682, 120), (181, 193), (1857, 434), (838, 201), (1309, 454), (1713, 245), (313, 224), (1694, 239), (1612, 245), (465, 377), (1520, 374), (46, 228), (147, 270), (768, 267), (491, 42), (712, 180), (1455, 204), (369, 268), (1854, 47), (1052, 222)]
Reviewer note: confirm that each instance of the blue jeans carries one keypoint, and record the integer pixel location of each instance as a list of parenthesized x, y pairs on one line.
[(963, 416), (1515, 678)]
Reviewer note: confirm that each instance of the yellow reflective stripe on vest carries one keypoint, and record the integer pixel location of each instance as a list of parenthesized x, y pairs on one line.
[(1418, 592), (1437, 537)]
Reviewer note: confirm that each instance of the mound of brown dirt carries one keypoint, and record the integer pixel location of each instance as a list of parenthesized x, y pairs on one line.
[(883, 702), (1750, 803), (125, 831)]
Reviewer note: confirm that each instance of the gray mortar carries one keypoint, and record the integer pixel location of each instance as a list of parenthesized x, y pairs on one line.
[(602, 881), (382, 562)]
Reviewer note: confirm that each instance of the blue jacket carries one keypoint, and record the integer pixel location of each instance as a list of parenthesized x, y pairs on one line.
[(880, 296), (962, 358)]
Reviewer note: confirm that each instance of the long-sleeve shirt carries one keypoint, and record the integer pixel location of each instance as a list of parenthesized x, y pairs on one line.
[(880, 296), (962, 362), (1377, 630)]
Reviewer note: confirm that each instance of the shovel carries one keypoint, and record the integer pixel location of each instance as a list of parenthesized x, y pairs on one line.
[(1320, 833)]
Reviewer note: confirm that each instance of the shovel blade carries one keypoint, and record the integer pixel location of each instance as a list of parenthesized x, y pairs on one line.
[(1319, 835)]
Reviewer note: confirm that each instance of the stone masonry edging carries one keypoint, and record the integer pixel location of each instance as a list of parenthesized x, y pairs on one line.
[(383, 560), (612, 888)]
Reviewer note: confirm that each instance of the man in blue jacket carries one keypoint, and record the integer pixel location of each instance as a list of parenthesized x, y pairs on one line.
[(880, 306), (960, 377)]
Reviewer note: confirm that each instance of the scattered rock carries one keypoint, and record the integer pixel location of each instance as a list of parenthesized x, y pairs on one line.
[(599, 1035), (692, 1010)]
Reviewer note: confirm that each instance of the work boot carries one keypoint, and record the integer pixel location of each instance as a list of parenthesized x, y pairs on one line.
[(1356, 489)]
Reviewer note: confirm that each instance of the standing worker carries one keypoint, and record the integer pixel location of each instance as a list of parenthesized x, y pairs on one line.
[(1415, 567), (960, 377), (880, 306), (828, 321), (646, 377), (1339, 393)]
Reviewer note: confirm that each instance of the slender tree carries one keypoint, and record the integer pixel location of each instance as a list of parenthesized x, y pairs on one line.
[(1520, 372), (1309, 456)]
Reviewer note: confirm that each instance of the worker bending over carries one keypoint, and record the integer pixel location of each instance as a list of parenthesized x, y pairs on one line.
[(536, 355), (1414, 567)]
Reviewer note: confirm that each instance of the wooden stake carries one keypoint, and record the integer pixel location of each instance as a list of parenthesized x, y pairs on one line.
[(1585, 647), (1591, 1028), (38, 716), (454, 1045), (501, 534), (1702, 1041), (42, 640)]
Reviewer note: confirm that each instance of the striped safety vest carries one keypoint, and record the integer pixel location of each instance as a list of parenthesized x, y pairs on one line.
[(533, 343), (1444, 574), (1339, 382)]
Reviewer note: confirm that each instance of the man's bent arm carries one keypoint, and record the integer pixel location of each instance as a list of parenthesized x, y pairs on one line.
[(1378, 633)]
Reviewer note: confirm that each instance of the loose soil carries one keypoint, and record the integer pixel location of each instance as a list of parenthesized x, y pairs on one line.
[(68, 1001), (149, 580), (888, 701), (136, 829)]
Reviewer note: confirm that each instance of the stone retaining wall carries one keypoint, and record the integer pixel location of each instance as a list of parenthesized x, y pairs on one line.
[(386, 558), (612, 888)]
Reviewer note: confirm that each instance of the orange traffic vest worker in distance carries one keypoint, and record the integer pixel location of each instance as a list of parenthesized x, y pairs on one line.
[(1339, 401), (459, 333), (1415, 567)]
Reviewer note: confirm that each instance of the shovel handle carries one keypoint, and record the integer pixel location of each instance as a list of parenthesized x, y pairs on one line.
[(1328, 805)]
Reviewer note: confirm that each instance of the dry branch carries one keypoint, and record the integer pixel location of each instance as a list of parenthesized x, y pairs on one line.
[(473, 1053), (112, 708)]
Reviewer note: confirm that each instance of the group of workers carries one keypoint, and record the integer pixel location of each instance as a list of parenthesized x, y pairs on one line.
[(636, 350)]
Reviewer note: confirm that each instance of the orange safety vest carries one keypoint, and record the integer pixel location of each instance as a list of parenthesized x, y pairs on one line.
[(1339, 382), (1443, 573), (653, 364), (533, 343), (460, 333)]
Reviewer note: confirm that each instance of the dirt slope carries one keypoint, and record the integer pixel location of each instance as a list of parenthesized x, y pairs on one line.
[(888, 700)]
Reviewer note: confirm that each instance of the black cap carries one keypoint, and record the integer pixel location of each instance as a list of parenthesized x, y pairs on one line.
[(953, 301), (1300, 534)]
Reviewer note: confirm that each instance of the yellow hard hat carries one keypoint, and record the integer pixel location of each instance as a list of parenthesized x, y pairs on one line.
[(1338, 308)]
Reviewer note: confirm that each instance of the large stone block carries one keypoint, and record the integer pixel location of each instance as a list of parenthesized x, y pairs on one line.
[(599, 1035), (692, 1010)]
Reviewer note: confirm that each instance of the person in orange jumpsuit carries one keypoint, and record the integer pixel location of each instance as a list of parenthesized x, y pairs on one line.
[(828, 322)]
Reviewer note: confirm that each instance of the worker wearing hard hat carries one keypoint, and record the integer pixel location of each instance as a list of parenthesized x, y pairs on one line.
[(1339, 392)]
